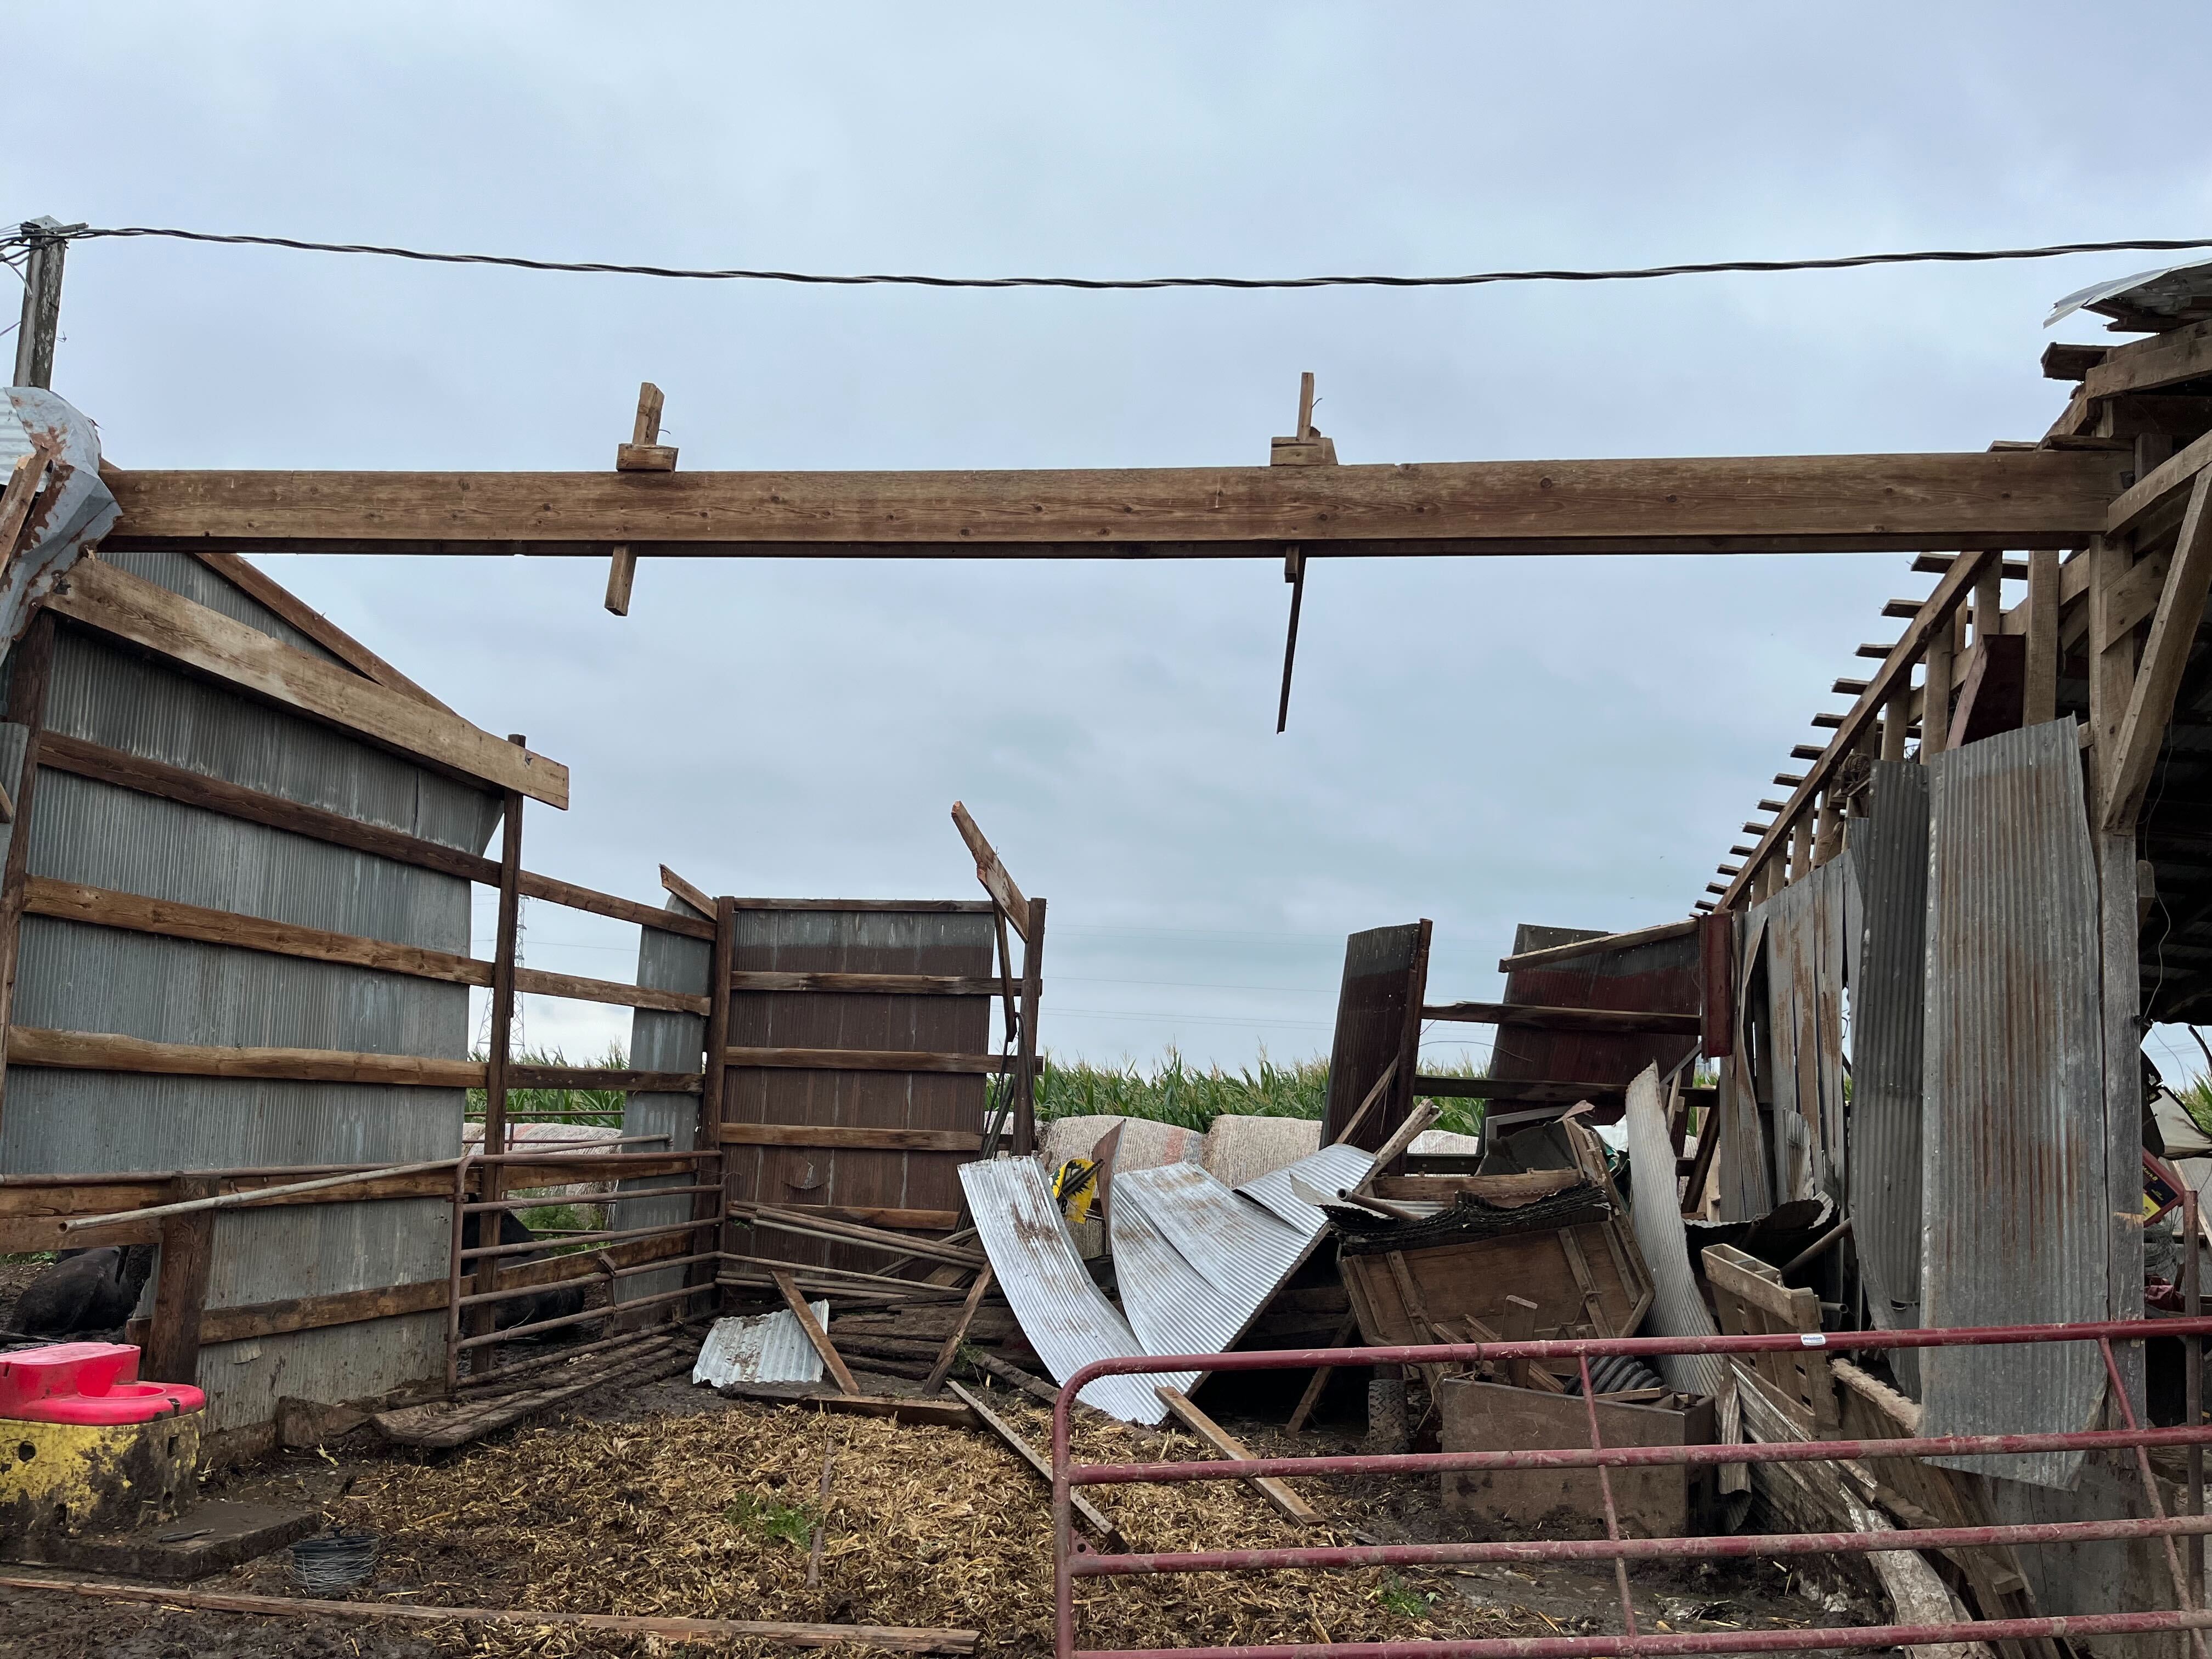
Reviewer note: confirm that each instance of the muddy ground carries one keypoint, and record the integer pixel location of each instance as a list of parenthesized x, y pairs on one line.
[(440, 1551)]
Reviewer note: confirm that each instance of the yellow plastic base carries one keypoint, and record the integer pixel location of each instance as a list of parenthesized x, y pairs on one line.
[(71, 1478)]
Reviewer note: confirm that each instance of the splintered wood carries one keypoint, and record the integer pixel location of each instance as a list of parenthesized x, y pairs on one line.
[(712, 1517)]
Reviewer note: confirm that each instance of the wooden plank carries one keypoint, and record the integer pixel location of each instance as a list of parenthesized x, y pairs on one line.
[(696, 898), (315, 1313), (827, 1136), (106, 1051), (539, 982), (1552, 956), (888, 985), (1563, 1020), (781, 1218), (172, 1350), (875, 1215), (942, 1367), (2164, 360), (815, 1334), (151, 777), (25, 479), (1538, 1093), (1087, 1512), (713, 1084), (622, 578), (1895, 672), (1845, 502), (499, 1055), (2127, 773), (891, 1638), (263, 589), (901, 1407), (876, 907), (863, 1059), (104, 596), (992, 872), (106, 907), (2039, 688), (2146, 496), (1280, 1497), (603, 1076), (611, 905), (1026, 1043)]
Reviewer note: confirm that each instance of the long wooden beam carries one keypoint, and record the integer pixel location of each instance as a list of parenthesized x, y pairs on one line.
[(1894, 675), (1801, 503), (144, 613)]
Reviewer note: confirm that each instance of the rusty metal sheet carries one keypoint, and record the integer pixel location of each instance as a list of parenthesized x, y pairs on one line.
[(72, 511), (1888, 1004), (1744, 1186), (2013, 1143), (770, 1347), (1662, 977), (1066, 1316), (1808, 926)]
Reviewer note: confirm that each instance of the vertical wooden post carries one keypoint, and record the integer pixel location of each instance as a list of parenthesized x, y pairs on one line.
[(2112, 666), (26, 707), (1989, 601), (1800, 846), (40, 325), (1896, 721), (2039, 693), (1828, 829), (707, 1206), (173, 1345), (495, 1057), (2121, 988), (1025, 1061), (1936, 693)]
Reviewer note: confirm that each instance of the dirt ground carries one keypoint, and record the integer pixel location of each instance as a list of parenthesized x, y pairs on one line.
[(668, 1499)]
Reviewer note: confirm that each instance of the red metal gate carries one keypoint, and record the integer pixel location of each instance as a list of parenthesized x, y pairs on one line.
[(1070, 1564)]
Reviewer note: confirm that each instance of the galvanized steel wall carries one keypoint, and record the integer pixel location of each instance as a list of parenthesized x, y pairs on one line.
[(78, 977), (2013, 1150), (1889, 1004), (664, 1042)]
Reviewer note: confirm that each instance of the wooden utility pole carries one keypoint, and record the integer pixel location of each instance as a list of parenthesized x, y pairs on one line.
[(42, 301)]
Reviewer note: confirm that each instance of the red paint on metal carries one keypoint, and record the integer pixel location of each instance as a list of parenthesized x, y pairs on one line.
[(1067, 1566)]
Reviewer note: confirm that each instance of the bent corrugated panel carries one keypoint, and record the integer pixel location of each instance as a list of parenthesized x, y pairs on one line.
[(770, 1347), (1066, 1317), (2013, 1138)]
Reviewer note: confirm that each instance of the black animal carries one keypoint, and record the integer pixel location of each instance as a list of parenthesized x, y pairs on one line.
[(555, 1303), (85, 1291)]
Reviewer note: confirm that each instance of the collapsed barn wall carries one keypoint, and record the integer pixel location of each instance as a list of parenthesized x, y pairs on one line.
[(77, 977)]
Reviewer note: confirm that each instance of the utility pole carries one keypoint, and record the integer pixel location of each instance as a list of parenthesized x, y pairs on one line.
[(42, 300)]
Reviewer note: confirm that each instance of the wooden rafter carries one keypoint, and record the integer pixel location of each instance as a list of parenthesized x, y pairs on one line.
[(1932, 623), (2127, 773)]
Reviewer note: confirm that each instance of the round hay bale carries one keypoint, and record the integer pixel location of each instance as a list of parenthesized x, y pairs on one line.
[(1239, 1148), (1145, 1144)]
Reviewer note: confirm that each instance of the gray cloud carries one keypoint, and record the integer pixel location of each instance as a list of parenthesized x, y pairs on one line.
[(1479, 741)]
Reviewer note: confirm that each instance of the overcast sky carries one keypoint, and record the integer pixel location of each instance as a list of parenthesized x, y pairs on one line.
[(1482, 742)]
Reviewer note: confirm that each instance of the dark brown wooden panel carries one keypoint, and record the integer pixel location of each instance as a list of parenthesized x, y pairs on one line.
[(819, 942), (1378, 1019)]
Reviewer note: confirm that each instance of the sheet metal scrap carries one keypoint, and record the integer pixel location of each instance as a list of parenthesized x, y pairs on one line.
[(73, 510), (761, 1348), (1195, 1262), (1066, 1316)]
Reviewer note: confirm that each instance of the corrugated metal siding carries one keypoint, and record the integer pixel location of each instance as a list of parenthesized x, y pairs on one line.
[(1808, 923), (85, 978), (2013, 1151), (664, 1042), (1066, 1316), (770, 1347), (1743, 1184), (1889, 1005)]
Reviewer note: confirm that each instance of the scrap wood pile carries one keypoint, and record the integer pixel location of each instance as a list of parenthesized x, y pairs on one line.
[(715, 1515)]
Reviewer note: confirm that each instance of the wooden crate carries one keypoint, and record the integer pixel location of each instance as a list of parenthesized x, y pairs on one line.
[(1652, 1503), (1750, 1300)]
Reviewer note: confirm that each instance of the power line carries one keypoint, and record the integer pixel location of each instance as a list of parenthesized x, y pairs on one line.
[(1473, 279)]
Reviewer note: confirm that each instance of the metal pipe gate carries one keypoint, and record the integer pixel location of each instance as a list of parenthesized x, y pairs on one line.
[(1071, 1563)]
